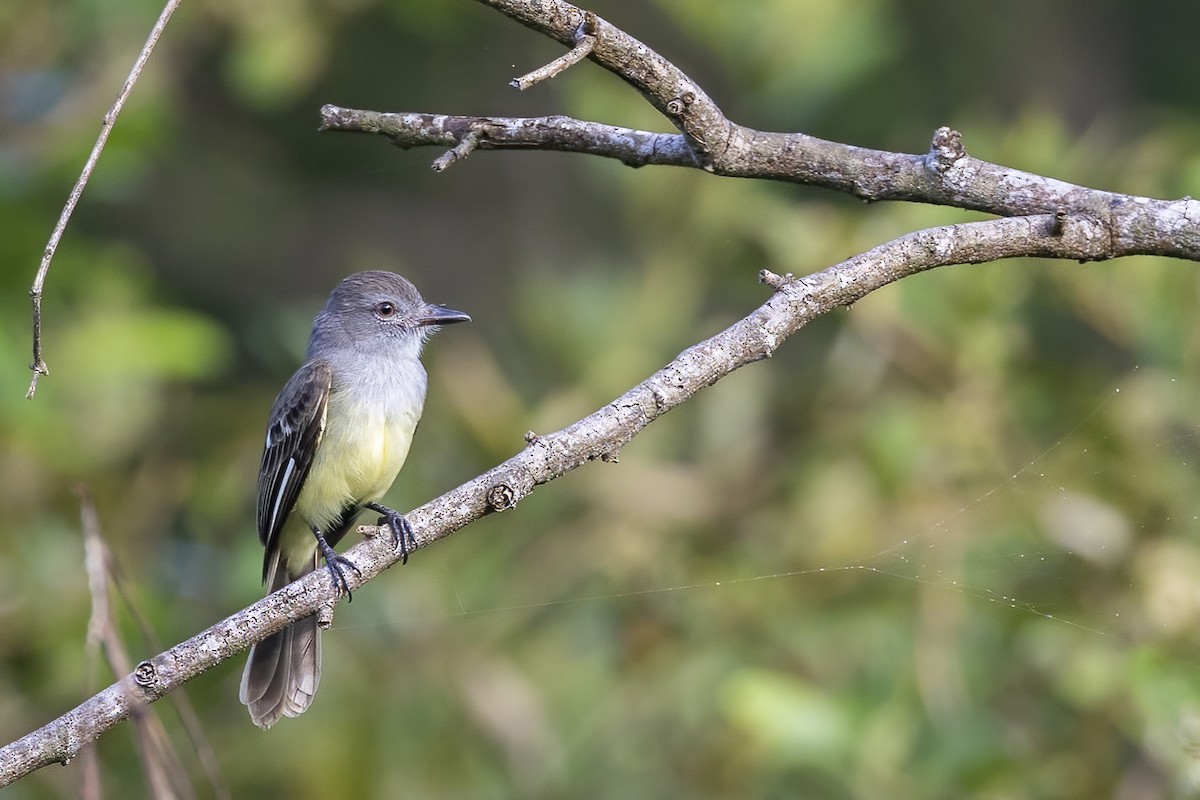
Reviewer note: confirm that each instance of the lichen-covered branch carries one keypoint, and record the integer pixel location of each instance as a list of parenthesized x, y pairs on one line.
[(633, 147), (600, 435), (708, 140)]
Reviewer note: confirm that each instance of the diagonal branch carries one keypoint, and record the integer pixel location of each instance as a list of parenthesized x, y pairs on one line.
[(585, 42), (39, 365), (600, 435)]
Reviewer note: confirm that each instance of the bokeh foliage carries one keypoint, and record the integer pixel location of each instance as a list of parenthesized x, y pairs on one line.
[(943, 544)]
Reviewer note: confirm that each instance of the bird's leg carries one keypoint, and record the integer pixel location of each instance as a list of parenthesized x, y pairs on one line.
[(402, 533), (333, 562)]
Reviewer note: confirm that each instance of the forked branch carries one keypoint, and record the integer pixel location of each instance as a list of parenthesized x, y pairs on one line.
[(1037, 216), (707, 139)]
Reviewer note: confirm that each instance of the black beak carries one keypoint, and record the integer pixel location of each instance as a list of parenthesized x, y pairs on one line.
[(440, 315)]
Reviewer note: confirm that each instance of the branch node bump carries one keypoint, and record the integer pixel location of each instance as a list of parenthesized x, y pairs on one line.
[(333, 117), (501, 497), (532, 438), (325, 616), (776, 282), (145, 674), (660, 399), (946, 149), (770, 343), (1060, 222), (677, 105)]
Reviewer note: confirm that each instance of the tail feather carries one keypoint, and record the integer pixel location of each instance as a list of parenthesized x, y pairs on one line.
[(283, 670)]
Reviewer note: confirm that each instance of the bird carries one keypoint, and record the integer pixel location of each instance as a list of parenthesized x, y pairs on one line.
[(337, 435)]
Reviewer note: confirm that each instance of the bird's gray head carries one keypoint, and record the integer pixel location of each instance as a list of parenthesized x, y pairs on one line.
[(378, 309)]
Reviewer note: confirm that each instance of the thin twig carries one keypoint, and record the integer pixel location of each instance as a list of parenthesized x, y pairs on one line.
[(192, 727), (464, 148), (664, 85), (166, 777), (39, 365), (585, 42), (91, 787)]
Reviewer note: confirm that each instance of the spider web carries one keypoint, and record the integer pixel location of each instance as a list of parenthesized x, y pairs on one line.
[(1052, 538)]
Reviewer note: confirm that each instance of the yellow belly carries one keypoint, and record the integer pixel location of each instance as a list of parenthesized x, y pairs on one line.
[(354, 464)]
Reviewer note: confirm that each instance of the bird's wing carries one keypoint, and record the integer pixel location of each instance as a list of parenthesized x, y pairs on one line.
[(293, 436)]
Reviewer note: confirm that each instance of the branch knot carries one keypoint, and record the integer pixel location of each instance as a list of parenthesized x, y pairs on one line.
[(946, 149), (677, 105), (145, 674), (1060, 221), (501, 497)]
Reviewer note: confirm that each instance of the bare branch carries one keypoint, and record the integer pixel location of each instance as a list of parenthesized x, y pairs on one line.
[(39, 365), (165, 772), (664, 85), (600, 435), (633, 147), (946, 175), (464, 148), (585, 41), (165, 775)]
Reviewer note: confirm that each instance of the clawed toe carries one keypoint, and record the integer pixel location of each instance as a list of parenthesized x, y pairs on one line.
[(334, 562), (403, 538)]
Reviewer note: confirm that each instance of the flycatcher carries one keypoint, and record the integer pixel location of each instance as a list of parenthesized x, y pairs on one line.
[(338, 434)]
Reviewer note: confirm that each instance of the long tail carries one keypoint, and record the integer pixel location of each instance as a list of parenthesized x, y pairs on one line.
[(283, 670)]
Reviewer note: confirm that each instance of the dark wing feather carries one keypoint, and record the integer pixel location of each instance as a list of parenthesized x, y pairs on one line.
[(293, 436)]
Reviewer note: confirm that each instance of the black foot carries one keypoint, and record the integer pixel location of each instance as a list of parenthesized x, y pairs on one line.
[(402, 533), (334, 562)]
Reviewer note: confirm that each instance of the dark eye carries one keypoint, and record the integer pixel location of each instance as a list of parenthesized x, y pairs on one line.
[(385, 310)]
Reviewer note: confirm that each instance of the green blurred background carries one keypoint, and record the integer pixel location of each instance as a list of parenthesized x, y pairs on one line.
[(941, 545)]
